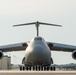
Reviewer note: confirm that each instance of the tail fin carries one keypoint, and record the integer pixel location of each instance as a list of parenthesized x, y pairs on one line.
[(37, 25)]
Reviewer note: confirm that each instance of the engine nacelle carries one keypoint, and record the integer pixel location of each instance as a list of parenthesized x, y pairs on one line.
[(74, 55), (1, 54)]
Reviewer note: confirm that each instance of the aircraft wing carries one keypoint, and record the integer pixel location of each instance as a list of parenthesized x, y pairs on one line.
[(14, 47), (61, 47)]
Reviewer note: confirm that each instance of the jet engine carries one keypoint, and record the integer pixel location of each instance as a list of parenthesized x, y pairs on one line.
[(74, 55), (1, 54)]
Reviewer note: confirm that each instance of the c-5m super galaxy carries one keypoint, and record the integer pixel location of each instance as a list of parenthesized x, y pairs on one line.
[(38, 51)]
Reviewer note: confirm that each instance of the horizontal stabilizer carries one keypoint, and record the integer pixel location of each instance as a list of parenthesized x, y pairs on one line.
[(37, 23)]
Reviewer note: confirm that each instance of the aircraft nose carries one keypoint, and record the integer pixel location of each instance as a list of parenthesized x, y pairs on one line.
[(40, 53), (37, 54), (38, 48)]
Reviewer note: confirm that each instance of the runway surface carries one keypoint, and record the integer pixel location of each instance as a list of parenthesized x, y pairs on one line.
[(37, 72)]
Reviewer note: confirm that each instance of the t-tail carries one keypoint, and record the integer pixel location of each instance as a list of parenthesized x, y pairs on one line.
[(37, 24)]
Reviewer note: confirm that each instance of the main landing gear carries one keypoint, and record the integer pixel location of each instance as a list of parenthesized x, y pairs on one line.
[(38, 68)]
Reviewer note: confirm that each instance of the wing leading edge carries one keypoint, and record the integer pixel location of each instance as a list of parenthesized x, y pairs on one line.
[(14, 47), (61, 47), (51, 45)]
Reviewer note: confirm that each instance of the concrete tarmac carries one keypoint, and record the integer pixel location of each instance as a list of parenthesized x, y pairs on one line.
[(37, 72)]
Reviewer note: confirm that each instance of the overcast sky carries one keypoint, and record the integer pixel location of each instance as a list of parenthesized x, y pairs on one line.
[(62, 12)]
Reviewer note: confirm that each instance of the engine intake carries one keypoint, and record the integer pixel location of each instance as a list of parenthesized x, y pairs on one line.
[(74, 55)]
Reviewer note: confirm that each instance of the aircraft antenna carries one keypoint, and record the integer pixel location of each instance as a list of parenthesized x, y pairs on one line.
[(37, 25)]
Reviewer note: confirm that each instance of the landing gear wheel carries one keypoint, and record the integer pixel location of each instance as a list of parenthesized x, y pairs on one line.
[(26, 67), (47, 68), (44, 68), (21, 68), (29, 67), (33, 67), (41, 68), (51, 68), (36, 68)]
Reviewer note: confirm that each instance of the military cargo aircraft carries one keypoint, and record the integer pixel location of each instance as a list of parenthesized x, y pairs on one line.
[(38, 51)]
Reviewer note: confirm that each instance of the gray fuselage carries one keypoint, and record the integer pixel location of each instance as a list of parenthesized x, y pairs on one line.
[(37, 52)]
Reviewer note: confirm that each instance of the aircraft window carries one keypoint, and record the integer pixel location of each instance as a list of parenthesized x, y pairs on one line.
[(38, 39)]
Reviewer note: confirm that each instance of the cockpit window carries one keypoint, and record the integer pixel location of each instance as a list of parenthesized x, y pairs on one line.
[(38, 38)]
